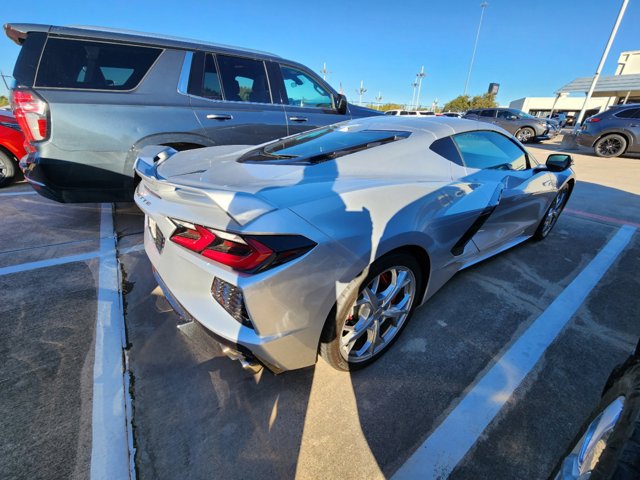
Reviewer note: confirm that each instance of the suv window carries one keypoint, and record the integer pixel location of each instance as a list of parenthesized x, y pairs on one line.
[(303, 90), (488, 113), (629, 113), (211, 81), (243, 79), (485, 149), (506, 114), (70, 63)]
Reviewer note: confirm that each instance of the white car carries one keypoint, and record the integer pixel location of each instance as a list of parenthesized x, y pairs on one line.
[(418, 113)]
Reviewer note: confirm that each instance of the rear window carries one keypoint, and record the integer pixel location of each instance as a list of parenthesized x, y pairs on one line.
[(83, 64), (321, 145), (629, 113)]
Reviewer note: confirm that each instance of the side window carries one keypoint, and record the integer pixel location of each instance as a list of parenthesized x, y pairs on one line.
[(404, 112), (505, 114), (447, 149), (488, 113), (303, 90), (211, 81), (490, 150), (629, 113), (243, 79), (93, 65)]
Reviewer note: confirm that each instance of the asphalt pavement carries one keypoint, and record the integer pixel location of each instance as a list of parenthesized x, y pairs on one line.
[(197, 414)]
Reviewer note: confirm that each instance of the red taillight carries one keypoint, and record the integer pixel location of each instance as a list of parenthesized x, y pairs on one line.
[(593, 120), (246, 254), (32, 114)]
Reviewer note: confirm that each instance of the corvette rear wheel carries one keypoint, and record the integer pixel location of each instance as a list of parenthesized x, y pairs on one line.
[(553, 213), (364, 327)]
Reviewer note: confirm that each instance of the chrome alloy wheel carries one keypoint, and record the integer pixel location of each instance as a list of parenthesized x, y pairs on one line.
[(525, 134), (585, 455), (610, 147), (378, 314), (554, 211)]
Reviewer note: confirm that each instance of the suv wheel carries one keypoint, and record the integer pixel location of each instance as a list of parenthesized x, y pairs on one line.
[(525, 134), (610, 146), (7, 169)]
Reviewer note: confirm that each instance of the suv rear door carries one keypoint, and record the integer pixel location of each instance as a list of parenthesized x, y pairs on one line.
[(307, 102), (231, 96)]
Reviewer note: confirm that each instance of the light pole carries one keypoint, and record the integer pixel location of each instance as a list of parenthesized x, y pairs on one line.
[(413, 97), (602, 60), (378, 99), (360, 91), (324, 71), (420, 76), (483, 5)]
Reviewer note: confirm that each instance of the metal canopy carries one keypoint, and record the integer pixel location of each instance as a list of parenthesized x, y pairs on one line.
[(617, 85)]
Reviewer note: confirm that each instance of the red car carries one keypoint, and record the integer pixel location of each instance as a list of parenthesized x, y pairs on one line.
[(11, 147)]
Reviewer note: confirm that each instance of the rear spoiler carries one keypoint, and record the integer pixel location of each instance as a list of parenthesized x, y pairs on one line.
[(241, 207), (17, 32)]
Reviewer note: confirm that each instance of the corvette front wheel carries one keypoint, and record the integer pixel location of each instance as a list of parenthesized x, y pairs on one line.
[(553, 213), (361, 329)]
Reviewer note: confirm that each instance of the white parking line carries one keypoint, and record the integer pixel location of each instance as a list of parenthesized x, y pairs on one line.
[(111, 447), (13, 194), (450, 442), (23, 267)]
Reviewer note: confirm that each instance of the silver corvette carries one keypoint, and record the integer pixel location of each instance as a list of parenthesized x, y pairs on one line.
[(326, 241)]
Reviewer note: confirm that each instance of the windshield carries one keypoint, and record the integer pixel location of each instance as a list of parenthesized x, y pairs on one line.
[(322, 144)]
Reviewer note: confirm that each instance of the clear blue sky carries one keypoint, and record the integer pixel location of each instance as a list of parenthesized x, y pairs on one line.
[(530, 48)]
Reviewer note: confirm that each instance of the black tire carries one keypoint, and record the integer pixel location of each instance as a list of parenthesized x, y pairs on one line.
[(612, 145), (620, 460), (7, 169), (542, 231), (331, 337), (526, 134)]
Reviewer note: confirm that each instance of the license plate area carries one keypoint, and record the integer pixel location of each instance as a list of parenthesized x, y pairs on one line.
[(156, 234)]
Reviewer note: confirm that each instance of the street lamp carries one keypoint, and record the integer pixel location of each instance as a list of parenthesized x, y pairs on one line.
[(414, 84), (360, 91), (420, 76), (483, 5)]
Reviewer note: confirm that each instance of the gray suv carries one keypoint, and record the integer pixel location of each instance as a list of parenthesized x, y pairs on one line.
[(89, 99), (523, 126), (612, 132)]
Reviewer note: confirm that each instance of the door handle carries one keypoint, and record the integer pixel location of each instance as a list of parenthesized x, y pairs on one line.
[(219, 116), (299, 119)]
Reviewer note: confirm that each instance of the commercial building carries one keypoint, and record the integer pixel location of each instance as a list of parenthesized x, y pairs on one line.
[(622, 87)]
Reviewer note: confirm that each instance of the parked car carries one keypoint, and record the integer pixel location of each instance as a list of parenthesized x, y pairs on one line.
[(612, 132), (11, 147), (419, 113), (608, 445), (328, 240), (91, 98), (452, 114), (525, 127)]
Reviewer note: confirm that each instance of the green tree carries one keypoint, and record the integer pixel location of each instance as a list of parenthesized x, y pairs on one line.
[(461, 103), (387, 106), (488, 100), (3, 101)]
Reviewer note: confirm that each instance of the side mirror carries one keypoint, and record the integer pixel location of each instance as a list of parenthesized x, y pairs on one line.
[(340, 103), (558, 162)]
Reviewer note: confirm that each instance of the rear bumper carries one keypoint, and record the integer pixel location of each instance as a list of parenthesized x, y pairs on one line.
[(585, 140), (69, 182)]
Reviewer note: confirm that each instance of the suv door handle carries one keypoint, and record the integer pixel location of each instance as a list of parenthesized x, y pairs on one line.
[(219, 116), (299, 119)]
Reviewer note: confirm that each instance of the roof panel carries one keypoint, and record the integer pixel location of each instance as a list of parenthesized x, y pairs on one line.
[(611, 85)]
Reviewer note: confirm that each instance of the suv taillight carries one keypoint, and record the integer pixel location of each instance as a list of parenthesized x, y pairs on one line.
[(32, 114), (593, 119), (245, 253)]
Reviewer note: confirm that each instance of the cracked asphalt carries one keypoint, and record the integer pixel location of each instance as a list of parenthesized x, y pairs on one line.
[(198, 415)]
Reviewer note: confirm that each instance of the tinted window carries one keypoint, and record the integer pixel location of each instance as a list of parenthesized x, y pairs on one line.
[(322, 144), (403, 112), (211, 81), (303, 90), (488, 113), (447, 149), (93, 65), (485, 149), (506, 114), (243, 79), (473, 112), (629, 113)]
